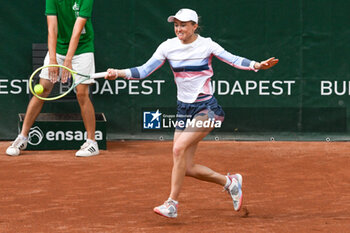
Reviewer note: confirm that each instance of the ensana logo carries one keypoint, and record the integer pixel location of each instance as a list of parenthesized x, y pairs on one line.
[(36, 136)]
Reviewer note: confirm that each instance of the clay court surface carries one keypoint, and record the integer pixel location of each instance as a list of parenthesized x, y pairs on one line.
[(287, 187)]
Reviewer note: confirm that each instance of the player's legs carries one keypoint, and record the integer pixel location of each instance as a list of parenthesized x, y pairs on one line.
[(196, 170), (182, 141), (185, 144), (184, 147), (232, 183), (199, 171)]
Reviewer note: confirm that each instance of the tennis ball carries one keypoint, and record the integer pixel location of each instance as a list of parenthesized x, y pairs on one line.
[(38, 89)]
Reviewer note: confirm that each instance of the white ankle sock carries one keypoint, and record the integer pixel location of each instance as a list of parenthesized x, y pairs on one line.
[(22, 137), (176, 202), (91, 141)]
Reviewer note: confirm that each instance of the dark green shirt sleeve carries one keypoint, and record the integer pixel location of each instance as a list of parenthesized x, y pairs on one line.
[(86, 8), (50, 8)]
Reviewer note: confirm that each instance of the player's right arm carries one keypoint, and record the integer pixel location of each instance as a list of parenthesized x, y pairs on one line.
[(140, 72)]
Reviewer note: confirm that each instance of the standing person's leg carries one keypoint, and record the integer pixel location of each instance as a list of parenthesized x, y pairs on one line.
[(87, 110), (34, 108), (85, 64), (90, 147)]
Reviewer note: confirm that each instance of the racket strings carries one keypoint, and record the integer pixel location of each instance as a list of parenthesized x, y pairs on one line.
[(49, 77)]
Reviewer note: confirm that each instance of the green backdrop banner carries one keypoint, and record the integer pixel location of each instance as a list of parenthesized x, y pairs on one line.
[(305, 97)]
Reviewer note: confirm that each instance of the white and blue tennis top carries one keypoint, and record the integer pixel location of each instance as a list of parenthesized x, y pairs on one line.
[(191, 65)]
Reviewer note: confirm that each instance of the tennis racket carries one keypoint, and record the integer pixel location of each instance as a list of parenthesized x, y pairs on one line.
[(58, 89)]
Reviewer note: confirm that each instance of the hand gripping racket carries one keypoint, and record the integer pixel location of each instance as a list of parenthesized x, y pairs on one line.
[(58, 88)]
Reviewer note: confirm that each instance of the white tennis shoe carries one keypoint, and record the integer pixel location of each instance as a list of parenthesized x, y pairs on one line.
[(168, 209), (88, 149), (235, 190), (19, 144)]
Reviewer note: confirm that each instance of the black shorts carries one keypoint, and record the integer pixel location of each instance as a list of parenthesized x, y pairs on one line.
[(187, 111)]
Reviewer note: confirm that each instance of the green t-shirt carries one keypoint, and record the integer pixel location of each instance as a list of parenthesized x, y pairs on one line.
[(67, 11)]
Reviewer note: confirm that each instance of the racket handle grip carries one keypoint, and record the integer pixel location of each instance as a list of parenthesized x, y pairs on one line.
[(99, 75)]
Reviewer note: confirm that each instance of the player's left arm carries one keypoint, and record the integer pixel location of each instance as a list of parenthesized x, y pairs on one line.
[(155, 62), (241, 62), (267, 64), (246, 64)]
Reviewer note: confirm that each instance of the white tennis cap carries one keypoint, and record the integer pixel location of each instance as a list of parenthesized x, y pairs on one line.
[(184, 15)]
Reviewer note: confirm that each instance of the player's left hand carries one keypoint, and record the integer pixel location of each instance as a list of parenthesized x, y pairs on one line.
[(267, 64)]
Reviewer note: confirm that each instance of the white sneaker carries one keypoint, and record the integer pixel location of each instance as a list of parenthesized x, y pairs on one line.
[(235, 190), (88, 149), (19, 144), (168, 209)]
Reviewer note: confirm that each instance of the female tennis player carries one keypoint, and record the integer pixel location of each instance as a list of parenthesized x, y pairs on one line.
[(190, 56)]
